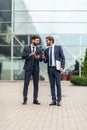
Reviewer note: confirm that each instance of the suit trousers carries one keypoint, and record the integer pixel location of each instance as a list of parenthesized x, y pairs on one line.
[(55, 77), (35, 76)]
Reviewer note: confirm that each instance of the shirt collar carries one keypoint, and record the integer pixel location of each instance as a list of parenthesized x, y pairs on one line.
[(52, 46), (32, 46)]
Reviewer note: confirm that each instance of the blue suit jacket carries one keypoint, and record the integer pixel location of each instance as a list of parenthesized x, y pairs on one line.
[(58, 53), (29, 62)]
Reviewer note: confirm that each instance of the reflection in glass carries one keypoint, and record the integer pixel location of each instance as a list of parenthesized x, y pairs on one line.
[(17, 51), (72, 68), (5, 51), (74, 52), (5, 69), (21, 40), (5, 22), (5, 39), (18, 72)]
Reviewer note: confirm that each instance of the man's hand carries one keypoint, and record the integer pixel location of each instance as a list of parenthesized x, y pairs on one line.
[(44, 57), (37, 56), (61, 69), (32, 54)]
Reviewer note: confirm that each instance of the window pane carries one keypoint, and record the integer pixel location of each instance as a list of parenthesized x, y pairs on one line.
[(18, 72), (72, 66), (5, 51), (21, 40), (74, 52), (5, 16), (61, 5), (17, 51), (50, 16), (5, 39), (5, 69)]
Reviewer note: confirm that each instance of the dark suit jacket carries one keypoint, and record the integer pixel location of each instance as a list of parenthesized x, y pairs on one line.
[(31, 61), (58, 53)]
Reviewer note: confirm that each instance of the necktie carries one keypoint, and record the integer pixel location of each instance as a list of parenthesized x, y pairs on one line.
[(50, 62), (33, 48)]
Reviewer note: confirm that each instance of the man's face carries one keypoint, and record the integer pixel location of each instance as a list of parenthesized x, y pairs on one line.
[(48, 42), (36, 41)]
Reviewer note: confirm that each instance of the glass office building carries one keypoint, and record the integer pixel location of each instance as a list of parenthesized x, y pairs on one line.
[(19, 19)]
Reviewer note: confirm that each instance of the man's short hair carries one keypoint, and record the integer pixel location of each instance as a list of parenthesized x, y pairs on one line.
[(35, 37), (50, 38)]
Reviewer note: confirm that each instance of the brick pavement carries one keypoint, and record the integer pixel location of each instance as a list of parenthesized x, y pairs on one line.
[(72, 115)]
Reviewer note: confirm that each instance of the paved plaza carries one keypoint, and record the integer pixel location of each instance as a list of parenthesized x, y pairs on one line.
[(72, 115)]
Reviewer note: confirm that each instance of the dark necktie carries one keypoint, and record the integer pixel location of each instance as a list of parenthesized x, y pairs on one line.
[(33, 48), (50, 58), (33, 58)]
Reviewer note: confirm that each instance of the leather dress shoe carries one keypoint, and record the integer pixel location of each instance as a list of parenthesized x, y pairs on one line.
[(24, 103), (58, 103), (36, 102), (52, 103)]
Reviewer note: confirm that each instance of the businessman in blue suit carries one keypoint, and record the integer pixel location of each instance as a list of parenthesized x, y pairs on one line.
[(52, 54), (32, 55)]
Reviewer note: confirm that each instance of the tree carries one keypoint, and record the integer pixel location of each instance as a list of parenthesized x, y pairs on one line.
[(76, 69), (85, 65)]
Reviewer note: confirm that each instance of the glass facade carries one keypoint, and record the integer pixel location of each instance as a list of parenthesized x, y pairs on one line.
[(19, 19)]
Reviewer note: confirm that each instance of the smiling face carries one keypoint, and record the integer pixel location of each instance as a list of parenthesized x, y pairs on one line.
[(35, 40)]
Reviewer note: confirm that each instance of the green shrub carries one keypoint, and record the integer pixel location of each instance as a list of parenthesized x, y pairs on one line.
[(85, 65), (81, 81)]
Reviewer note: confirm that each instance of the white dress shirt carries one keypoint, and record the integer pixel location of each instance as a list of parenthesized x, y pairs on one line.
[(32, 48)]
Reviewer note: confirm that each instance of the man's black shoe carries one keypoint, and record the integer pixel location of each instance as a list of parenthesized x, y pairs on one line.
[(53, 103), (24, 103), (58, 104), (36, 102)]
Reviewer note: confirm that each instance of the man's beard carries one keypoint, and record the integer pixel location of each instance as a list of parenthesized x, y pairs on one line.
[(35, 44), (48, 44)]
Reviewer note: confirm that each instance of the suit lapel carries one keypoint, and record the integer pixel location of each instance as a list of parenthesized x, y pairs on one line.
[(55, 50), (36, 48), (29, 48), (48, 52)]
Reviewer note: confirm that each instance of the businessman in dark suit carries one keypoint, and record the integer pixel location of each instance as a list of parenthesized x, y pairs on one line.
[(52, 54), (32, 55)]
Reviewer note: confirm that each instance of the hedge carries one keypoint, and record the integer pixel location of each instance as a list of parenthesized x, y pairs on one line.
[(81, 81)]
